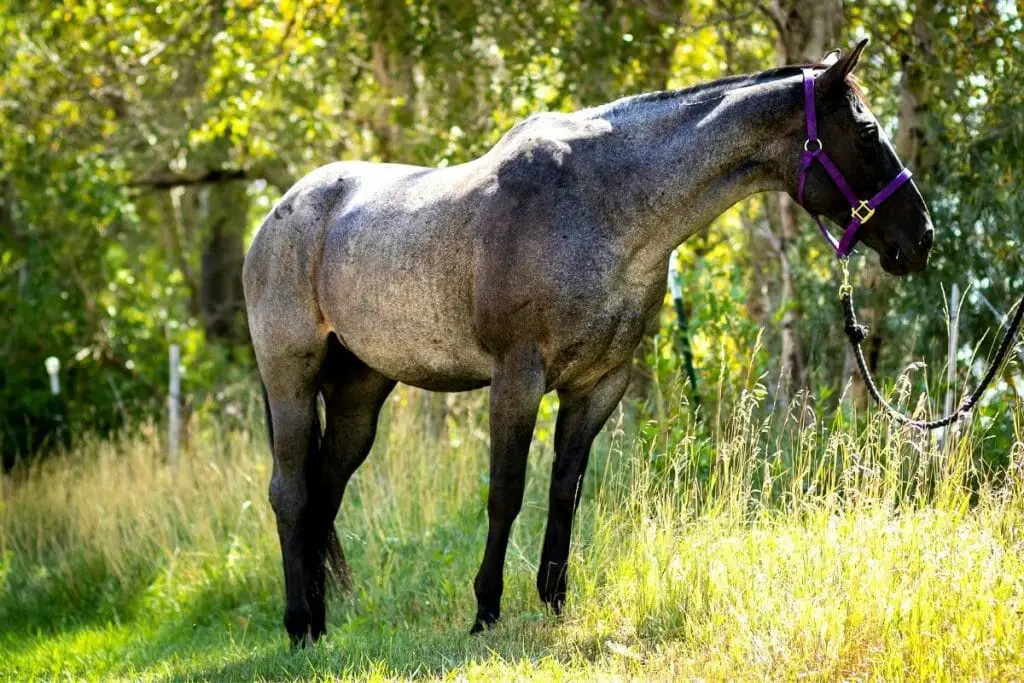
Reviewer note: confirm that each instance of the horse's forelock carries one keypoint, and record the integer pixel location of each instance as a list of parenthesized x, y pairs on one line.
[(855, 86)]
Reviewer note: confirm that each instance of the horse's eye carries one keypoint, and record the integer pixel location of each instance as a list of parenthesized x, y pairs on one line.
[(868, 132)]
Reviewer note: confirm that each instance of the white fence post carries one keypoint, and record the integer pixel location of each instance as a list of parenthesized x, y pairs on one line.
[(52, 364), (53, 369), (673, 277), (174, 404)]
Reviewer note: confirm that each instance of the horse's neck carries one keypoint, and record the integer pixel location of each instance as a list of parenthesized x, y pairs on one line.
[(682, 161)]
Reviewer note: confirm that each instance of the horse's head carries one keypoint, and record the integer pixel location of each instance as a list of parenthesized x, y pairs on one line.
[(899, 227)]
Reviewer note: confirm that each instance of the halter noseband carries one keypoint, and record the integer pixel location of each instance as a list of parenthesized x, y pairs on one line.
[(861, 210)]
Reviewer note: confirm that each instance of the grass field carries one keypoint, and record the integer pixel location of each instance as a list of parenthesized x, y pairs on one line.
[(752, 552)]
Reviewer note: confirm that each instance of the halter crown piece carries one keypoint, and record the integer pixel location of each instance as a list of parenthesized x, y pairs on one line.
[(861, 210)]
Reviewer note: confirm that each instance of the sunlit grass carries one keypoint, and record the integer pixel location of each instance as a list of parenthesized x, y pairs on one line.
[(741, 549)]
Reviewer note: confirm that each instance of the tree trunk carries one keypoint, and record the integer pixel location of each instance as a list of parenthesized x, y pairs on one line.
[(791, 352), (809, 29), (175, 238), (805, 31), (394, 71), (223, 213)]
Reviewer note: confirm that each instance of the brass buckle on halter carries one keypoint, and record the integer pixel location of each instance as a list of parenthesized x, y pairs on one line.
[(845, 289), (866, 208)]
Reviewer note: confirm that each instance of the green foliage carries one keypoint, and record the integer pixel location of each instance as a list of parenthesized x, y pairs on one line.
[(124, 121)]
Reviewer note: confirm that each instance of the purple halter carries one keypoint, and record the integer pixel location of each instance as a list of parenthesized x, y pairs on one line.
[(861, 210)]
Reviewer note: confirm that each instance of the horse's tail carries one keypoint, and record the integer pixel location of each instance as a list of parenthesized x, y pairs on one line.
[(338, 574), (267, 416)]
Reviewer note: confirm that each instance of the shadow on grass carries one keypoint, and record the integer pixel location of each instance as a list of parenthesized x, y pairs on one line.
[(360, 652), (408, 616), (376, 630), (37, 604)]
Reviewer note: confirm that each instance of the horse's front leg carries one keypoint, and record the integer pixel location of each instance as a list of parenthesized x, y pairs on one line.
[(580, 418), (516, 389)]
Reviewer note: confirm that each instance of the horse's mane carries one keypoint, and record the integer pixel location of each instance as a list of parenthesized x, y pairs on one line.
[(702, 92)]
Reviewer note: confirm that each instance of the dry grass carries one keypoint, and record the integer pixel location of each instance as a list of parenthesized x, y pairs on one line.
[(752, 551)]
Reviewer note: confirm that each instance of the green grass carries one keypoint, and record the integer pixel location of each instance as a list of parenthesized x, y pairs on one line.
[(752, 552)]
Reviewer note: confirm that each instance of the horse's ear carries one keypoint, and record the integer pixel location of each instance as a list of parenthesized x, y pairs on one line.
[(835, 75), (831, 57)]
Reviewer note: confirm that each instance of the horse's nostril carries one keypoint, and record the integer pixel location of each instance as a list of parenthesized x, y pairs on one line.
[(928, 239)]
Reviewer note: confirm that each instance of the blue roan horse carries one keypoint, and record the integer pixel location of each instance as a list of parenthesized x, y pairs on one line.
[(534, 268)]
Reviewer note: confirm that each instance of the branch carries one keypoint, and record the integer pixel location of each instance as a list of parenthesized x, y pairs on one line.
[(774, 241), (714, 22), (776, 18), (677, 19), (167, 180)]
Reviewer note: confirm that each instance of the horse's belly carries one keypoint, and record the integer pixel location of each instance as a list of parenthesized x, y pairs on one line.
[(411, 349), (411, 324)]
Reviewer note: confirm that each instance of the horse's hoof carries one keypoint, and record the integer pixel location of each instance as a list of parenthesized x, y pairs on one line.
[(301, 642), (551, 586), (484, 622), (480, 627), (556, 603), (554, 598), (300, 639)]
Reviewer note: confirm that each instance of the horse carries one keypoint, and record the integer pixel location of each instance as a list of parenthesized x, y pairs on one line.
[(535, 267)]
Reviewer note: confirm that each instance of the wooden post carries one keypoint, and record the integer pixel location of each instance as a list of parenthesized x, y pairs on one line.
[(954, 328), (174, 405)]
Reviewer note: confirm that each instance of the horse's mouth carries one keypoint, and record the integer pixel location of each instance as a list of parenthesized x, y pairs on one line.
[(896, 262)]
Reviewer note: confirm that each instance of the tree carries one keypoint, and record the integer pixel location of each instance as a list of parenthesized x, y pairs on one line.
[(144, 141), (805, 31)]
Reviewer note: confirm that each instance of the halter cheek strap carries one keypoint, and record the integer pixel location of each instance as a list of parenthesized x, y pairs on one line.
[(861, 210)]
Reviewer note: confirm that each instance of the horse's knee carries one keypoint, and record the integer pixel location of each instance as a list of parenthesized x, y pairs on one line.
[(289, 498), (505, 498)]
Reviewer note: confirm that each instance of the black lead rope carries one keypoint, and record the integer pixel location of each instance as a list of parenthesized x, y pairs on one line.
[(858, 333)]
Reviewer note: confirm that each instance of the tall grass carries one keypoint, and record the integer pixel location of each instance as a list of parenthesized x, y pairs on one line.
[(750, 547)]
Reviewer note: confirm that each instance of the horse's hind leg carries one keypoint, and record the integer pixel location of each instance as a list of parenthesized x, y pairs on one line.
[(353, 394), (289, 363)]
